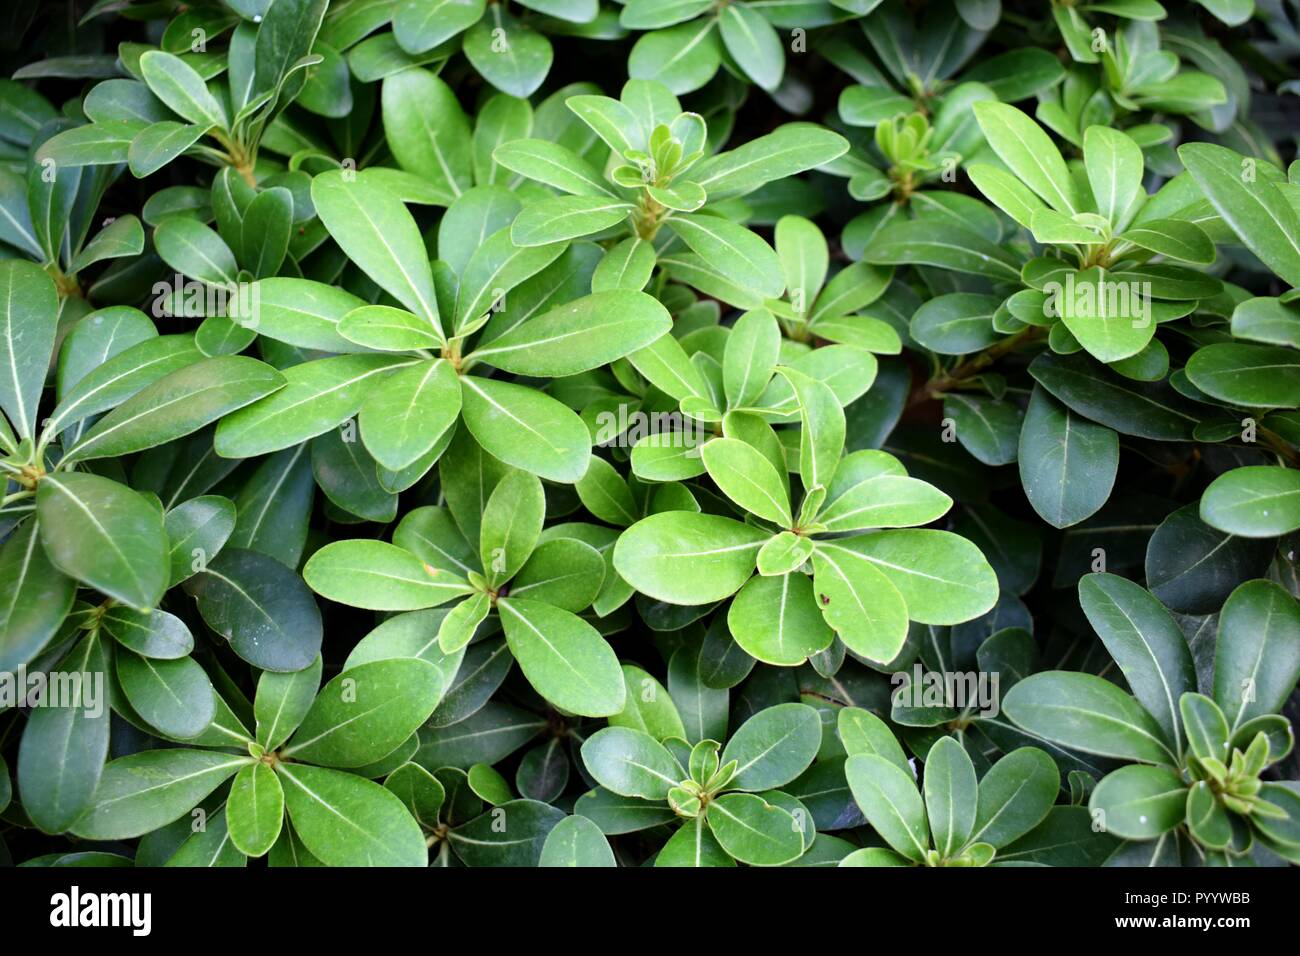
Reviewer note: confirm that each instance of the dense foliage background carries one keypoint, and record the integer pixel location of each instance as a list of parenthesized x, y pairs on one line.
[(673, 432)]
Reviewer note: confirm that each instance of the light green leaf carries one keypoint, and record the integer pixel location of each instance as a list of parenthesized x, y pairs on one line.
[(889, 799), (377, 232), (583, 334), (379, 576), (255, 810), (366, 712), (564, 658), (685, 558), (346, 820), (526, 428)]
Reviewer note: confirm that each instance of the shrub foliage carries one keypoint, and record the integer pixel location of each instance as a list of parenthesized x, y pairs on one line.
[(566, 432)]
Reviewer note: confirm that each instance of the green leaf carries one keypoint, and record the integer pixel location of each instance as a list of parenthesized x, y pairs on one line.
[(773, 747), (752, 351), (946, 245), (950, 796), (349, 477), (775, 620), (631, 763), (881, 501), (558, 166), (282, 701), (754, 831), (304, 313), (682, 58), (97, 144), (1205, 726), (105, 535), (955, 324), (665, 363), (567, 217), (1015, 795), (121, 376), (1140, 803), (1110, 318), (1028, 153), (577, 842), (525, 428), (366, 712), (605, 494), (943, 577), (377, 232), (821, 437), (1256, 501), (735, 251), (1147, 410), (889, 799), (1067, 463), (422, 26), (564, 658), (866, 609), (122, 237), (27, 328), (35, 597), (509, 55), (387, 329), (318, 395), (1172, 238), (583, 334), (346, 820), (496, 267), (1114, 164), (61, 757), (648, 707), (862, 732), (1256, 210), (685, 558), (1248, 375), (159, 143), (177, 84), (409, 413), (255, 810), (1257, 667), (427, 130), (286, 35), (483, 841), (1145, 642), (627, 265), (562, 572), (512, 521), (1267, 320), (261, 607), (379, 576), (178, 405), (1087, 713), (195, 250), (147, 790), (421, 792), (1207, 819), (754, 44), (787, 150), (266, 231), (748, 478), (173, 696)]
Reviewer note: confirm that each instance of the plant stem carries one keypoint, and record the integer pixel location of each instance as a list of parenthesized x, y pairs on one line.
[(964, 371)]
